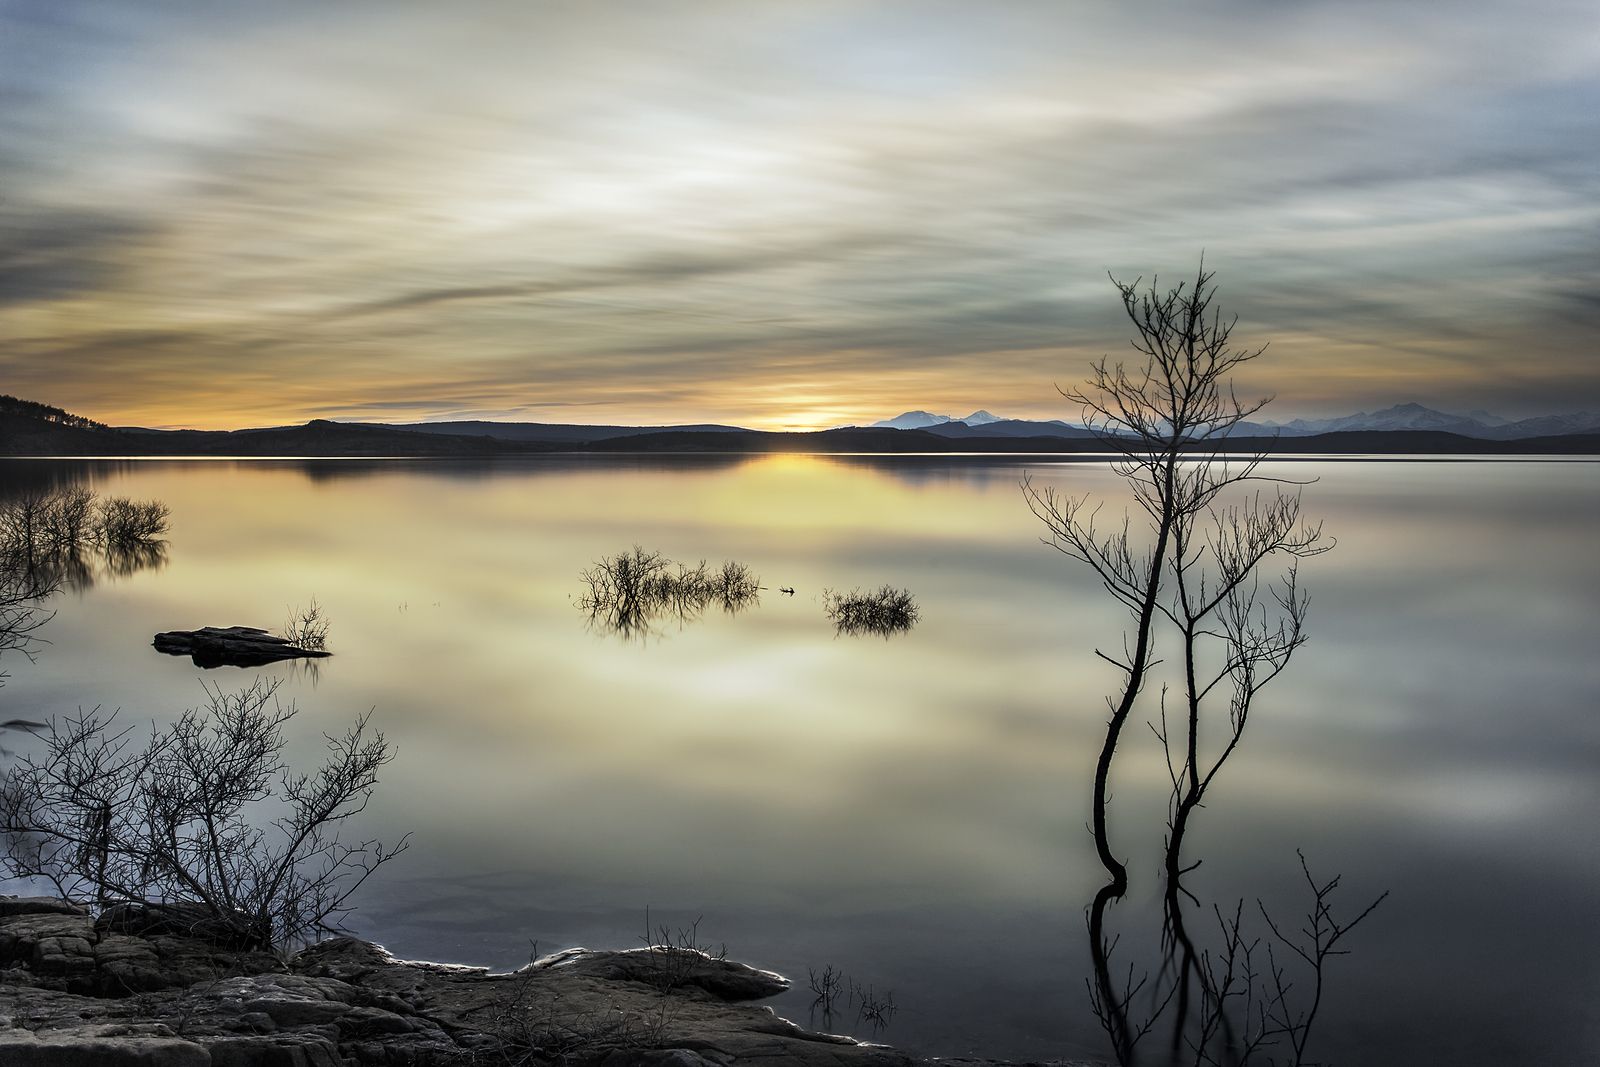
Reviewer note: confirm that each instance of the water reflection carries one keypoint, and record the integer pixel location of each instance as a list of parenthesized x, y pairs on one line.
[(632, 593), (912, 811), (839, 1001), (883, 612), (56, 534)]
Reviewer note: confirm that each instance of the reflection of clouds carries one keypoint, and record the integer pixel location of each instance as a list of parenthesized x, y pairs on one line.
[(830, 208), (916, 794)]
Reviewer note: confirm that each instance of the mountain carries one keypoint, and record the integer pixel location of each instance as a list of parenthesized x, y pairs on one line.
[(927, 420), (1545, 426), (1412, 416), (1399, 417), (41, 431), (912, 420), (1010, 428), (1408, 417), (551, 432), (29, 428)]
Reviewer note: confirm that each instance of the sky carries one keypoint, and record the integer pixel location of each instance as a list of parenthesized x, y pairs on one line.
[(788, 214)]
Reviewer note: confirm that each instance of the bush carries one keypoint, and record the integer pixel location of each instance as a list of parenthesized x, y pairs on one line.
[(122, 523), (630, 590), (170, 822), (887, 611), (307, 627)]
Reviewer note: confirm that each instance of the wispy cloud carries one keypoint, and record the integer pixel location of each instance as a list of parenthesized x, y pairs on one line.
[(776, 212)]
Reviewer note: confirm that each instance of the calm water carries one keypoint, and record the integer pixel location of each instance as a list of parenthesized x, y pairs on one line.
[(911, 810)]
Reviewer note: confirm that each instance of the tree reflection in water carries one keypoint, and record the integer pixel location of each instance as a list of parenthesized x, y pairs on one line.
[(1194, 569), (67, 538)]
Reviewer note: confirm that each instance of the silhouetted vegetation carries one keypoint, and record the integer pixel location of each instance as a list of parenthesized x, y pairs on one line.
[(23, 591), (834, 993), (307, 627), (11, 405), (1198, 570), (124, 523), (202, 820), (631, 591), (61, 536), (47, 527), (885, 611)]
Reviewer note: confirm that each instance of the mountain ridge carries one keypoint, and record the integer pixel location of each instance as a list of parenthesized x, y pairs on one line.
[(28, 428), (1405, 416)]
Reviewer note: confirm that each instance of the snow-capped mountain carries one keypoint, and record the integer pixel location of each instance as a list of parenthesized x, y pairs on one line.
[(921, 420), (913, 420)]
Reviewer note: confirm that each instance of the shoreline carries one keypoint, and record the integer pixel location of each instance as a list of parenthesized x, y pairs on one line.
[(131, 988)]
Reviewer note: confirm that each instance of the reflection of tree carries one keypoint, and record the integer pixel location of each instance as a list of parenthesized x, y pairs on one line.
[(65, 537), (23, 591), (1194, 562), (632, 592)]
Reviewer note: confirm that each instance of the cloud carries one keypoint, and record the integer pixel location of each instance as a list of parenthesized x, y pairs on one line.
[(54, 254), (634, 209)]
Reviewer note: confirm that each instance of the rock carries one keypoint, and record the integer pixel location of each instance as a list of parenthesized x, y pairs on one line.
[(137, 989), (672, 968), (38, 906), (231, 646), (103, 1046)]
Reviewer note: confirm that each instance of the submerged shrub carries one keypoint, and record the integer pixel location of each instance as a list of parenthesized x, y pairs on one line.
[(124, 523), (629, 591), (307, 627), (48, 524), (887, 611)]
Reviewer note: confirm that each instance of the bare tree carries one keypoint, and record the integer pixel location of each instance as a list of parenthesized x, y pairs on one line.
[(203, 819), (1191, 556)]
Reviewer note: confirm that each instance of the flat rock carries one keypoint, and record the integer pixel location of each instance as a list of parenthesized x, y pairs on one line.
[(37, 906), (231, 646), (103, 1046), (671, 969), (138, 989)]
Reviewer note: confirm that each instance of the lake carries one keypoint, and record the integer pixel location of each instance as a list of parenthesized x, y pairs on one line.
[(908, 810)]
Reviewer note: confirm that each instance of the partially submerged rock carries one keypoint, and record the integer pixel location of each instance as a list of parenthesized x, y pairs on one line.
[(231, 646), (77, 991)]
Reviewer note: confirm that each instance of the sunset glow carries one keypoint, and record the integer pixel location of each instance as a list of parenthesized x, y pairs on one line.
[(782, 216)]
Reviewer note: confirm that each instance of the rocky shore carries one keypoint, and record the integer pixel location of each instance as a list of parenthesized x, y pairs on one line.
[(135, 988)]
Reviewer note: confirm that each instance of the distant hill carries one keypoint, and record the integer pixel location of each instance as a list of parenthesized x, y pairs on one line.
[(1400, 417), (1409, 417), (28, 428), (1010, 428), (25, 432), (1416, 442), (11, 405), (552, 432)]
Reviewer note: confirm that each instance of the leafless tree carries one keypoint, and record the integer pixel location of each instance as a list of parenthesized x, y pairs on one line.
[(1191, 555), (203, 818)]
